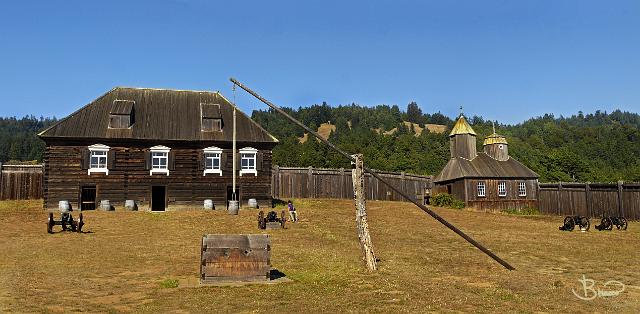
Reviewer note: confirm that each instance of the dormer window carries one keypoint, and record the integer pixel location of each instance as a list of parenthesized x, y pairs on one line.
[(121, 114), (211, 117), (212, 160)]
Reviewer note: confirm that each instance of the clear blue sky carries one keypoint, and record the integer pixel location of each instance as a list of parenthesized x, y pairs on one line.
[(504, 60)]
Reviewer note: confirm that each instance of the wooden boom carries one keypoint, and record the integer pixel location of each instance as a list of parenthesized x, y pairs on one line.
[(348, 156)]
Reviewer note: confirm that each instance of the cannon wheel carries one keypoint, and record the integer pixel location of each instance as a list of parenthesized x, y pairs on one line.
[(50, 223), (63, 221), (609, 224), (568, 223), (623, 223), (283, 219), (605, 224), (80, 223), (260, 219), (585, 224), (73, 224)]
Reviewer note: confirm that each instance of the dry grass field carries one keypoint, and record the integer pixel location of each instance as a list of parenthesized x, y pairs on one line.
[(121, 261)]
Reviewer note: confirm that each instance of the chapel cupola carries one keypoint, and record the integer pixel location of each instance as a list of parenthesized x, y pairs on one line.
[(462, 140), (496, 146)]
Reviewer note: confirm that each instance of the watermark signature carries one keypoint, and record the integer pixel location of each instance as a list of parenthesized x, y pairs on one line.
[(589, 291)]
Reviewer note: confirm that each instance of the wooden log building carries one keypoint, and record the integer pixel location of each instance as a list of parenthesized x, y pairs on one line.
[(489, 180), (163, 149)]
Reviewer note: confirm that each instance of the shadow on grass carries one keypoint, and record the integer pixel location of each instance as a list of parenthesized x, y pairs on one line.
[(276, 274)]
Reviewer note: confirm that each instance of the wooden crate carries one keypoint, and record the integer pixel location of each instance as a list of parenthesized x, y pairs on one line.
[(235, 257)]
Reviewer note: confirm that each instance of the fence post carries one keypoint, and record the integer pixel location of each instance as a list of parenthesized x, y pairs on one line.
[(404, 186), (559, 198), (1, 183), (276, 182), (342, 183), (361, 213), (587, 191), (310, 186), (620, 207)]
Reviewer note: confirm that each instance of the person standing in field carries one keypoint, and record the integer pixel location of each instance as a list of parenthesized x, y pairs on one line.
[(292, 211)]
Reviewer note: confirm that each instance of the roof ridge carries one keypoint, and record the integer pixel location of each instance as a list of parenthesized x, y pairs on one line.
[(168, 89)]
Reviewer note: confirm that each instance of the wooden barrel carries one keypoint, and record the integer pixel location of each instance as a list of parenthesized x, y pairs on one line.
[(130, 205), (235, 257), (208, 204), (105, 205), (253, 203), (64, 206), (233, 207)]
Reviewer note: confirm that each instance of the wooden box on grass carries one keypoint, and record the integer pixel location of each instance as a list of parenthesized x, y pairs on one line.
[(235, 257)]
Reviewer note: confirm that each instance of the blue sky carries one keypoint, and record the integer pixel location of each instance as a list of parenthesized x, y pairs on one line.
[(504, 60)]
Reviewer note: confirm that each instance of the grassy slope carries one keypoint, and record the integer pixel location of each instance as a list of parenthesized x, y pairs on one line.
[(119, 265)]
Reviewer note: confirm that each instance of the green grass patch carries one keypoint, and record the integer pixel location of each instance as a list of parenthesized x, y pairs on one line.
[(169, 283), (527, 211)]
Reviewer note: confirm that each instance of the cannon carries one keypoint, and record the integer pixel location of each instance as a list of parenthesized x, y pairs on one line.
[(607, 223), (571, 221), (66, 221), (271, 221)]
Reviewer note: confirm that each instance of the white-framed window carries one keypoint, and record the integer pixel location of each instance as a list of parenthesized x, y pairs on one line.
[(212, 160), (159, 160), (522, 189), (248, 161), (98, 156), (502, 189), (481, 189)]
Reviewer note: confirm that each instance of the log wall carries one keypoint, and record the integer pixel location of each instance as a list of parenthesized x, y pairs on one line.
[(186, 186)]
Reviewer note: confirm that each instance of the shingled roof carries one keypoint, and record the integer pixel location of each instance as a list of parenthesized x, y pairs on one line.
[(483, 166), (158, 114)]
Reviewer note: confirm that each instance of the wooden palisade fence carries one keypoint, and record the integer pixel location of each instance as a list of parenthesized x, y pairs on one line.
[(19, 182), (590, 199), (338, 183), (587, 199)]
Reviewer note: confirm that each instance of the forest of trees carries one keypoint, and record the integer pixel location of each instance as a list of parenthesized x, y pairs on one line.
[(19, 140), (596, 147)]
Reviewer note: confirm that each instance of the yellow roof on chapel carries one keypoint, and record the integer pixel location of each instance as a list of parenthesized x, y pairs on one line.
[(462, 127), (495, 138)]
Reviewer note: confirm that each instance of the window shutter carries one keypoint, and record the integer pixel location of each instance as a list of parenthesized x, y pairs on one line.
[(111, 159), (259, 161), (172, 161), (201, 161), (147, 160), (84, 163), (223, 160)]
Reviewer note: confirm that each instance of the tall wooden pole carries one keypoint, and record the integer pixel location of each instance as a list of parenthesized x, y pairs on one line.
[(359, 195)]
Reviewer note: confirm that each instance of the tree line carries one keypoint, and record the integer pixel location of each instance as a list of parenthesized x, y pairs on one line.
[(595, 147), (19, 140)]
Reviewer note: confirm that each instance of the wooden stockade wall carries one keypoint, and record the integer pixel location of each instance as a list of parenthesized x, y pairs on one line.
[(337, 183), (590, 199), (19, 182)]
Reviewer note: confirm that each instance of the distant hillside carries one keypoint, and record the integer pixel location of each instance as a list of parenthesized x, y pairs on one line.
[(597, 147), (325, 129), (18, 140)]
